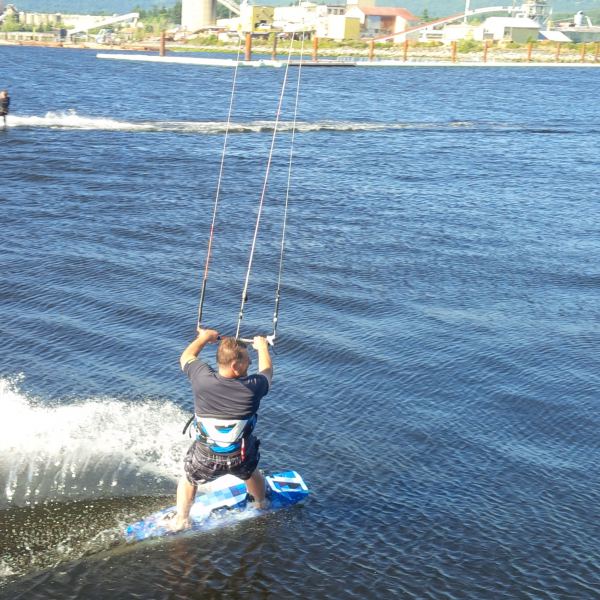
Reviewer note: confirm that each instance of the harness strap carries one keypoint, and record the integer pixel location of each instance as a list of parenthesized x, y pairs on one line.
[(224, 436), (187, 424)]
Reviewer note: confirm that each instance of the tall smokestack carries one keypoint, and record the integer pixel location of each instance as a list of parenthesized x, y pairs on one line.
[(196, 14)]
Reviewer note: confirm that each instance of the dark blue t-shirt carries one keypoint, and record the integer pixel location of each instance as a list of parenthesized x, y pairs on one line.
[(223, 398)]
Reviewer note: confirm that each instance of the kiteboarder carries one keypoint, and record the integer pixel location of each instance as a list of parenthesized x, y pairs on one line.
[(226, 404), (4, 105)]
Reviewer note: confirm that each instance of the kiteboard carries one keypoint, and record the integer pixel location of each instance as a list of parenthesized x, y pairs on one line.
[(223, 506)]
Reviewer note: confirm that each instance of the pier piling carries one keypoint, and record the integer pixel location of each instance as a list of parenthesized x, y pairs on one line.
[(371, 50), (529, 51), (485, 51), (274, 51), (583, 49), (315, 48), (405, 50), (454, 52), (557, 57), (248, 48), (162, 43)]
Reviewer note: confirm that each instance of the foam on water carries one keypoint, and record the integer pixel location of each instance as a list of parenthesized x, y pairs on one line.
[(5, 570), (97, 447), (70, 119)]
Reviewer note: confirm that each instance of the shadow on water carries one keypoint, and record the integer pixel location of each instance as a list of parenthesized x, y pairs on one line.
[(40, 537), (66, 550)]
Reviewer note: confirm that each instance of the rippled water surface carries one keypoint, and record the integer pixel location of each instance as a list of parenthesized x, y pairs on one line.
[(437, 367)]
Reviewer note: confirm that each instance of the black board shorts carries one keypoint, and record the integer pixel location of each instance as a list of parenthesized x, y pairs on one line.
[(202, 465)]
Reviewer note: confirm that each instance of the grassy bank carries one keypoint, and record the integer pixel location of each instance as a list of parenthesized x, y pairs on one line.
[(465, 50)]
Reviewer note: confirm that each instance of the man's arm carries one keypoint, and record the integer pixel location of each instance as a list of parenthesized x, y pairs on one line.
[(265, 364), (205, 336)]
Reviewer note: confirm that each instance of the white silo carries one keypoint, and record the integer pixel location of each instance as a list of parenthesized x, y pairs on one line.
[(196, 14)]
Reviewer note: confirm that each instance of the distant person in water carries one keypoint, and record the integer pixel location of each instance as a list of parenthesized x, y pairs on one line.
[(4, 105), (226, 405)]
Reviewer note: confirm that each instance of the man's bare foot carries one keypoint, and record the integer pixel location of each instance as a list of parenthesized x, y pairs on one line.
[(181, 524), (258, 505), (174, 523)]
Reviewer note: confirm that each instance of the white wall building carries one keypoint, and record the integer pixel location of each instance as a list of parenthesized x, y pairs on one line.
[(303, 17), (516, 29), (338, 27), (455, 32)]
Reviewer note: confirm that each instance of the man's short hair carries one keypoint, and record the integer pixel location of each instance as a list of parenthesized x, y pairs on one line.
[(231, 350)]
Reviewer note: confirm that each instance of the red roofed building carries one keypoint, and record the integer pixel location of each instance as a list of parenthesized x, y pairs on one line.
[(379, 20)]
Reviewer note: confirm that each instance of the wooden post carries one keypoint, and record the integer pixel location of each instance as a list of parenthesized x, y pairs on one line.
[(371, 50), (485, 51), (274, 52), (557, 57), (248, 51), (162, 43), (529, 50), (405, 50), (453, 51), (315, 48), (583, 49)]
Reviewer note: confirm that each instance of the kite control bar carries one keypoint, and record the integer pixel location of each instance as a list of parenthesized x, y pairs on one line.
[(270, 339)]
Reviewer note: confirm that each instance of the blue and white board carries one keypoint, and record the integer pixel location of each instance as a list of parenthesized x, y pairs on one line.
[(223, 506)]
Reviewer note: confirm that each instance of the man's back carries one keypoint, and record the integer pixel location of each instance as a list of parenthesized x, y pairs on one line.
[(224, 397)]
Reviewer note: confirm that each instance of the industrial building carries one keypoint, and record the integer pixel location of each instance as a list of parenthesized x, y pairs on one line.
[(68, 24), (326, 21), (376, 20), (580, 29), (337, 20), (352, 20)]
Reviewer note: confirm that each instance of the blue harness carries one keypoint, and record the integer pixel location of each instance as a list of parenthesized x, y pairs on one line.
[(224, 436)]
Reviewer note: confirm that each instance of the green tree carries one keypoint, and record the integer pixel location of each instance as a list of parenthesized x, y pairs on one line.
[(11, 23), (160, 17), (176, 12)]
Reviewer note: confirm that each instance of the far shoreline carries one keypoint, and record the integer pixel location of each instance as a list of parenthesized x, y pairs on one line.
[(542, 55)]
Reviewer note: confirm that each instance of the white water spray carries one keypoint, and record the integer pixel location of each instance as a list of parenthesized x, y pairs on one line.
[(98, 447)]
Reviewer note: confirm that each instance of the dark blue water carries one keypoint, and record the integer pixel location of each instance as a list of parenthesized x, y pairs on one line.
[(437, 368)]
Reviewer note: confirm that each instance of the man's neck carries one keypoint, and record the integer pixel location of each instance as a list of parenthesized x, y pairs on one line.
[(229, 373)]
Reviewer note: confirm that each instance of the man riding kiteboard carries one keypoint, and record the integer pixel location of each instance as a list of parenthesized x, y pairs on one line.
[(226, 404)]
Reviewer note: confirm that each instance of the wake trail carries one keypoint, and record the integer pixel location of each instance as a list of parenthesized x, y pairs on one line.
[(71, 120)]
